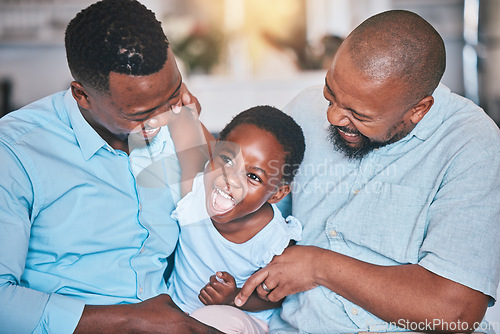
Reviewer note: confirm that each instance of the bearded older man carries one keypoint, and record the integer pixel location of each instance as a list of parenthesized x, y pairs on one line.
[(401, 216)]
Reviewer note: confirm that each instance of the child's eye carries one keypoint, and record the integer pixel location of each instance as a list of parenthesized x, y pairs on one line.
[(254, 177), (227, 160)]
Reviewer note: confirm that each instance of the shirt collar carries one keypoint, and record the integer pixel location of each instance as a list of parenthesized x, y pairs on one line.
[(427, 125), (434, 117), (88, 139)]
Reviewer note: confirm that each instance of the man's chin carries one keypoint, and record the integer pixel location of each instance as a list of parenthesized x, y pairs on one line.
[(139, 139), (351, 152)]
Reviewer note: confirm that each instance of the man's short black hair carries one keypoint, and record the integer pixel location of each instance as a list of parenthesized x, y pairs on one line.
[(283, 127), (121, 36)]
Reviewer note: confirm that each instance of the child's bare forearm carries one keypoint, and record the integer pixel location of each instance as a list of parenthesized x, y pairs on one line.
[(255, 303), (189, 137)]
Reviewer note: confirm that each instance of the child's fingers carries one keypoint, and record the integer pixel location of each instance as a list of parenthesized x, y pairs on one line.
[(208, 294), (203, 297), (210, 290), (214, 280), (217, 285), (188, 98), (225, 277), (218, 277)]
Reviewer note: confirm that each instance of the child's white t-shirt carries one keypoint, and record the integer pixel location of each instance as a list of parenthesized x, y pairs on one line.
[(202, 250)]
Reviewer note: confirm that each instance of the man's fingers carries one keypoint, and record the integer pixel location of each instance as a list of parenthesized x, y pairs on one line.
[(264, 289), (275, 294), (253, 282)]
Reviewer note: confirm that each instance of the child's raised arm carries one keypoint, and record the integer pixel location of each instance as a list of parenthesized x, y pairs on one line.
[(190, 139)]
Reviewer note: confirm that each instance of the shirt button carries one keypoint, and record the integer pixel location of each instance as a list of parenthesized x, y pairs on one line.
[(142, 250), (333, 233), (140, 207), (354, 311), (140, 289), (356, 192)]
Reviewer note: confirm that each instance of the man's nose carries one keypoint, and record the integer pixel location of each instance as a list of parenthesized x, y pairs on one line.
[(337, 116)]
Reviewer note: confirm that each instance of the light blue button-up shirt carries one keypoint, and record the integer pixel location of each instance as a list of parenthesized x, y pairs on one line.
[(80, 222), (432, 199)]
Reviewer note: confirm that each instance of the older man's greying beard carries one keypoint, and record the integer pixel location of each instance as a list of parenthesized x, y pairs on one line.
[(352, 153), (357, 153)]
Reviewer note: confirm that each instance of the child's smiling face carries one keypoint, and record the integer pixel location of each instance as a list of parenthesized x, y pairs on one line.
[(244, 173)]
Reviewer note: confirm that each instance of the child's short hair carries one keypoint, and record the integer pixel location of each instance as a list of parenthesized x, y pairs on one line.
[(283, 127)]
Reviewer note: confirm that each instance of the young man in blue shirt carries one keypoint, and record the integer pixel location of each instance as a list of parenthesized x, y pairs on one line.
[(84, 220)]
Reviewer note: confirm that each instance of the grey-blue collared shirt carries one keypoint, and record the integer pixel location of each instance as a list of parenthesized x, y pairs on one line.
[(431, 198)]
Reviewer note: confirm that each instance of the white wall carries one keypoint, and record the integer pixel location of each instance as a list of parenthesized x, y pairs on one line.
[(222, 98), (35, 71)]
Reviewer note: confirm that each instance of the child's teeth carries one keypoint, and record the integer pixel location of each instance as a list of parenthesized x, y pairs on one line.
[(223, 194)]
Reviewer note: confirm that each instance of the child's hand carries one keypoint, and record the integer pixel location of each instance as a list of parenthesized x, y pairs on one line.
[(221, 290)]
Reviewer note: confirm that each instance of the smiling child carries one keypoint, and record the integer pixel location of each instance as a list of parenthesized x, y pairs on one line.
[(230, 225)]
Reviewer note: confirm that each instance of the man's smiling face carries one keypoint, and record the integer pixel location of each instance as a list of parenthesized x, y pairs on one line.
[(134, 104), (364, 112)]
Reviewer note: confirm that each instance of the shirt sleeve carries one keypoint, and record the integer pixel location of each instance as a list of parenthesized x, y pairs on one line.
[(277, 238), (24, 310), (464, 225)]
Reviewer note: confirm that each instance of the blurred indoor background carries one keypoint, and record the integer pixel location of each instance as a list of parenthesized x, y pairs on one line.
[(235, 54)]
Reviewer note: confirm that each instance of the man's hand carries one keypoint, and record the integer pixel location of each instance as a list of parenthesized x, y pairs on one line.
[(289, 273), (221, 290), (156, 315), (391, 293)]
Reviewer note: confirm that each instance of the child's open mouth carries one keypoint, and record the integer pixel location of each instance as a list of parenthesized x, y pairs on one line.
[(222, 202)]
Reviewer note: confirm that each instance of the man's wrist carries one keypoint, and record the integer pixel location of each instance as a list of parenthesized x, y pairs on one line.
[(320, 266), (104, 318)]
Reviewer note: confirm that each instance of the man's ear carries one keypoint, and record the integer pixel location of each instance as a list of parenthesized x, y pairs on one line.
[(80, 95), (280, 193), (420, 109)]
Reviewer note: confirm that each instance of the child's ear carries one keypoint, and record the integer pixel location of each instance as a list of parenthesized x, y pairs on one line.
[(280, 193)]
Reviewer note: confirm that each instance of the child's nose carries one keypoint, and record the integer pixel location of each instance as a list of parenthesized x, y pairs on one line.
[(234, 177)]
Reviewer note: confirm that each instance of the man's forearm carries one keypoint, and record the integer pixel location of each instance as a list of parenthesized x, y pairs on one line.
[(392, 293), (103, 318), (156, 315)]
